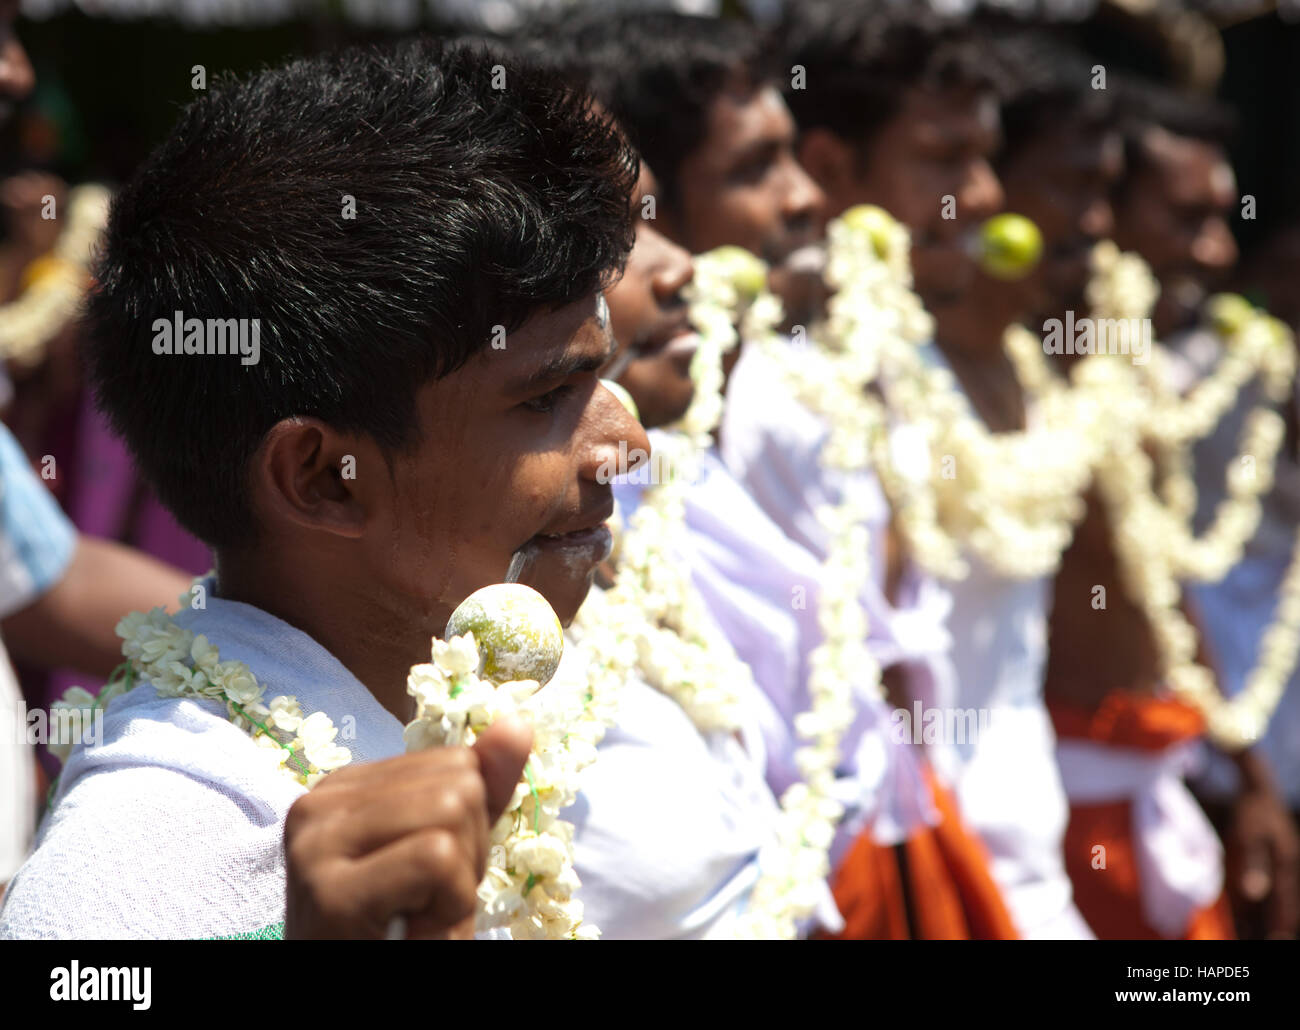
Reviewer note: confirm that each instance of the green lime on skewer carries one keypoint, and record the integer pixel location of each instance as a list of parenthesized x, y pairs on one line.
[(518, 634), (1009, 246), (875, 223)]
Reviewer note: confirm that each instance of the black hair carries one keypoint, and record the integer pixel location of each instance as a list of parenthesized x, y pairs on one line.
[(1045, 81), (1144, 104), (484, 191), (656, 72), (859, 60)]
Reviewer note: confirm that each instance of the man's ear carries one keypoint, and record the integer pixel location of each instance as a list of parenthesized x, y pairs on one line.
[(828, 159), (304, 474)]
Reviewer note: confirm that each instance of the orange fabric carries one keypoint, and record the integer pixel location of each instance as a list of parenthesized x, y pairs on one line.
[(953, 896), (1129, 720), (1109, 898)]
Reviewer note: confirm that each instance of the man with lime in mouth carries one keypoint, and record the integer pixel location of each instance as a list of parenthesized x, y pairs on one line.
[(426, 405)]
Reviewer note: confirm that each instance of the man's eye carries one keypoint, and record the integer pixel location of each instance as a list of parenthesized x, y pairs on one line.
[(548, 401), (752, 171)]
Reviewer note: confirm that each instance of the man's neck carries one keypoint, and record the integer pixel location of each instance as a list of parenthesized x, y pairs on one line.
[(367, 633), (973, 347)]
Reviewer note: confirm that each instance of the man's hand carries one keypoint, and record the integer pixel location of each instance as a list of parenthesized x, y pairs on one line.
[(1263, 852), (404, 837)]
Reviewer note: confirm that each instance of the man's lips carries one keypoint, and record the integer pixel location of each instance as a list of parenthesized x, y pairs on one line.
[(683, 345), (590, 546), (580, 531), (662, 335), (676, 340), (578, 538)]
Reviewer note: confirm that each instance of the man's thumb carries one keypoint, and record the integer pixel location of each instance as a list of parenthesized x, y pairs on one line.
[(502, 751)]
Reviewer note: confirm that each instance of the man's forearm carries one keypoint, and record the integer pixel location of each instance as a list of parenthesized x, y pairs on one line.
[(71, 624)]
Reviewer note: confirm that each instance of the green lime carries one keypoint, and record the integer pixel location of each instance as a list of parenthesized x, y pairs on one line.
[(1009, 246), (1229, 313), (517, 632), (739, 267), (874, 222)]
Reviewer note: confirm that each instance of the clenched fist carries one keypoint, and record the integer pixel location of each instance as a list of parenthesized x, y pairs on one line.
[(405, 837)]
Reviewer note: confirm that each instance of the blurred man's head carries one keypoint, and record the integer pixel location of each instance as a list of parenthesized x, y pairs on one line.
[(897, 107), (648, 312), (1061, 155), (423, 253), (698, 99), (1178, 191), (16, 78)]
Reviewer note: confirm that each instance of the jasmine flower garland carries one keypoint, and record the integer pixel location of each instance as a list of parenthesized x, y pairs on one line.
[(1012, 499), (530, 884), (679, 650), (178, 663), (56, 282), (795, 869), (1151, 526)]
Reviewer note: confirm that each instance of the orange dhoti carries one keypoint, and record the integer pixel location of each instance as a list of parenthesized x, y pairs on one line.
[(934, 886), (1143, 859)]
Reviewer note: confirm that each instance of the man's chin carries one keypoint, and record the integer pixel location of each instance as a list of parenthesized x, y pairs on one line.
[(563, 568), (566, 595), (943, 277)]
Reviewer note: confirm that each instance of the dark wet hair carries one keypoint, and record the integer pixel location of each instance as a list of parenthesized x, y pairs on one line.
[(861, 58), (484, 192), (1046, 81), (656, 72)]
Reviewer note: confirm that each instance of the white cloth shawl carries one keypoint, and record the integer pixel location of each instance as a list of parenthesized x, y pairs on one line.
[(172, 827), (762, 590)]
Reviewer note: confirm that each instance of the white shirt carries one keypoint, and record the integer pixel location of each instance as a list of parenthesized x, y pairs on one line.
[(762, 590), (176, 824), (1005, 774), (965, 648), (1238, 610)]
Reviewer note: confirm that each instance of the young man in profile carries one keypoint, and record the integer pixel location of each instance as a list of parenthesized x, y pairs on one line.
[(380, 461)]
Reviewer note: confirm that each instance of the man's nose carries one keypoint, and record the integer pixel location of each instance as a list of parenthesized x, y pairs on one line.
[(803, 200), (981, 193), (1097, 222), (16, 76), (614, 438), (673, 271), (1214, 248)]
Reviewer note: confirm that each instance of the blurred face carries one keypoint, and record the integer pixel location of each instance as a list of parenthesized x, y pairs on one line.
[(1061, 179), (16, 78), (742, 185), (1171, 211), (654, 338), (938, 145), (511, 457), (1269, 278)]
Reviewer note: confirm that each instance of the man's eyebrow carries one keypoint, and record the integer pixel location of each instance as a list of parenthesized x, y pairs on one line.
[(941, 135), (763, 147), (561, 366)]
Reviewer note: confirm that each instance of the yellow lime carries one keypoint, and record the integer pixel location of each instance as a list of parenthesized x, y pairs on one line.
[(1009, 246), (517, 632)]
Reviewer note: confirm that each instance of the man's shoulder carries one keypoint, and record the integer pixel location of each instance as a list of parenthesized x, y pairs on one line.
[(169, 826), (179, 735)]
